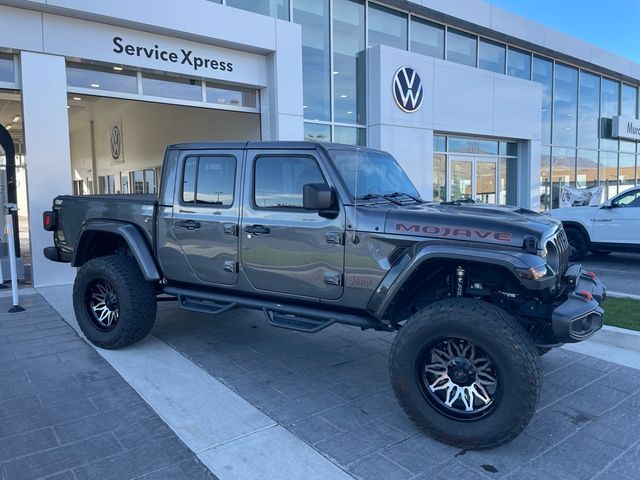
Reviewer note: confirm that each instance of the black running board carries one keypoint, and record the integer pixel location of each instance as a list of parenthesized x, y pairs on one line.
[(281, 315)]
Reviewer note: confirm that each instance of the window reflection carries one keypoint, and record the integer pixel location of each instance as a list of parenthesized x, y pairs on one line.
[(563, 169), (609, 109), (609, 173), (589, 110), (280, 181), (313, 16), (387, 27), (627, 174), (439, 177), (182, 88), (545, 178), (427, 38), (92, 77), (273, 8), (349, 74), (243, 97), (519, 63), (629, 101), (543, 74), (587, 169), (6, 68), (461, 47), (473, 145), (492, 56), (565, 103), (350, 135), (317, 132)]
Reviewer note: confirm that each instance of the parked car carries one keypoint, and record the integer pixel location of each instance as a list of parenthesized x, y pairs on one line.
[(314, 234), (612, 226)]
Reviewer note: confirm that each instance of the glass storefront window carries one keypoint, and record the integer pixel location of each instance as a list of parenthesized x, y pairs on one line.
[(565, 105), (543, 74), (461, 47), (629, 101), (349, 74), (350, 135), (563, 169), (626, 146), (608, 173), (492, 56), (387, 27), (439, 177), (317, 132), (518, 63), (7, 73), (545, 178), (461, 178), (473, 145), (273, 8), (627, 174), (588, 110), (181, 88), (608, 109), (427, 38), (243, 97), (587, 168), (313, 16), (439, 143), (113, 79)]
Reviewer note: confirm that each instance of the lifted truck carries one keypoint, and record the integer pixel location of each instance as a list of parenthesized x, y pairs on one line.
[(315, 234)]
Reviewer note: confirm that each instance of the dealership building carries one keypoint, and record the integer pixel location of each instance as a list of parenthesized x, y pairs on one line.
[(473, 101)]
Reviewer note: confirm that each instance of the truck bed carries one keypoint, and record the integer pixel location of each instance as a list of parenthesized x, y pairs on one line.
[(74, 210)]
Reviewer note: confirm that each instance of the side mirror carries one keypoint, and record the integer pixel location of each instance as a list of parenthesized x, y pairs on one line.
[(317, 196)]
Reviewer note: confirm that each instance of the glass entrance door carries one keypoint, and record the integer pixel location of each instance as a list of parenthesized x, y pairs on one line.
[(473, 178)]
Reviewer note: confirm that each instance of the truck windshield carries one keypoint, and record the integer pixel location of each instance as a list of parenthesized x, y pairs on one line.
[(369, 175)]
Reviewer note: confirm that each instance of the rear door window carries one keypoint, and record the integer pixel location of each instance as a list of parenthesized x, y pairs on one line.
[(209, 180)]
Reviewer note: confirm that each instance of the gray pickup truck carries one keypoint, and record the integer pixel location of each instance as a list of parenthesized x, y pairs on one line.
[(314, 234)]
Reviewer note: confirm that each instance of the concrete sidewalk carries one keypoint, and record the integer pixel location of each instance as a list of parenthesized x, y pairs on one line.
[(65, 413)]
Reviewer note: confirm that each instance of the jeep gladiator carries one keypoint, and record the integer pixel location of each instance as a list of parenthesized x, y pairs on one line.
[(313, 234)]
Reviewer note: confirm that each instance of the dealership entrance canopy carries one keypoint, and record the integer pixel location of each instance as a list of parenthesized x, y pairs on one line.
[(475, 103)]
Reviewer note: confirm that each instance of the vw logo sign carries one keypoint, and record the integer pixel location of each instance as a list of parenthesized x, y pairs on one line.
[(116, 142), (407, 89)]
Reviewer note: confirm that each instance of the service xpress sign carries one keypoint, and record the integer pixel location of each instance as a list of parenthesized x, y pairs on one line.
[(625, 127), (182, 56)]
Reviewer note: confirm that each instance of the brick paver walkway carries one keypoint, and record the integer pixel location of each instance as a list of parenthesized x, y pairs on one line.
[(66, 414), (332, 390)]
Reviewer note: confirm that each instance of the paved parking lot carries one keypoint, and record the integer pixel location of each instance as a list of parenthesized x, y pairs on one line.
[(620, 272), (331, 389)]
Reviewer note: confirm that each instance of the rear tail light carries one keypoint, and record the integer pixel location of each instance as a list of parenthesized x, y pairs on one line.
[(50, 221)]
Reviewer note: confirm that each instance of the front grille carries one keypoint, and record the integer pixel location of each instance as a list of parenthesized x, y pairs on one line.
[(562, 246)]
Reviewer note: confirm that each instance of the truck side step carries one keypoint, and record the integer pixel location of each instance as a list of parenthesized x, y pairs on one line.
[(294, 322), (204, 305)]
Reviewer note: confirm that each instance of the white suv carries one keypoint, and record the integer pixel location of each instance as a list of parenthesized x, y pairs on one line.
[(614, 225)]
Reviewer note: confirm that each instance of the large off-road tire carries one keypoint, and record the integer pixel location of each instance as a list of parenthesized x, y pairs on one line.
[(113, 303), (578, 242), (474, 349)]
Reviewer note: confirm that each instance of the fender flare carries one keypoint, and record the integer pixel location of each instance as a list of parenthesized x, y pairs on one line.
[(132, 237), (398, 275)]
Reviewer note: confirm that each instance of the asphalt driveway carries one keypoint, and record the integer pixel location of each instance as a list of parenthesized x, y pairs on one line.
[(620, 272)]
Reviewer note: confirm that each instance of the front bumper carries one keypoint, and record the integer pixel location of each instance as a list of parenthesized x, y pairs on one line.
[(580, 315)]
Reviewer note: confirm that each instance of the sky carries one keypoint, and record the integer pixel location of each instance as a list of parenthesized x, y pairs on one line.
[(610, 24)]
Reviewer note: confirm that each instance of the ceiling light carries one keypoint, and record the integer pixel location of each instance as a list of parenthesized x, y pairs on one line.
[(9, 127), (349, 113), (16, 118), (117, 69), (343, 96), (77, 99), (95, 85), (336, 73), (304, 106), (68, 107)]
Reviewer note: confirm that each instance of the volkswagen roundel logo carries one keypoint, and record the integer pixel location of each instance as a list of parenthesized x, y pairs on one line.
[(116, 142), (407, 89)]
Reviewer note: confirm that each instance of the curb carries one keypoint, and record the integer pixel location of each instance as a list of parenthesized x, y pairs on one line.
[(623, 295)]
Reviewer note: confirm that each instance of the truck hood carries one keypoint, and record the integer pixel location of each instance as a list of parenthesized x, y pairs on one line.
[(491, 224)]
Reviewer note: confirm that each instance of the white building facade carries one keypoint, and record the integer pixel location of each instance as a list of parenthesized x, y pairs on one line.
[(496, 108)]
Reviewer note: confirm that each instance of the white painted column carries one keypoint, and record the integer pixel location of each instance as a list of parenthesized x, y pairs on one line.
[(281, 105), (46, 130), (529, 175)]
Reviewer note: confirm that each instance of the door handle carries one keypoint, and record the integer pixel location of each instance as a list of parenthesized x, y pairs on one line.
[(189, 224), (257, 229)]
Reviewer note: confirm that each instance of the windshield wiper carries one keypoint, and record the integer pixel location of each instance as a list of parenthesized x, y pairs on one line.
[(397, 194), (371, 196)]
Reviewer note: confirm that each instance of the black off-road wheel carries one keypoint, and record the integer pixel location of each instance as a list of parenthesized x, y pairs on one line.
[(114, 304), (466, 372), (578, 242)]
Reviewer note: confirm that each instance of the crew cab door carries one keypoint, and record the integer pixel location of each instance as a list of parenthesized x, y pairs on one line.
[(285, 248), (206, 214), (621, 222)]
